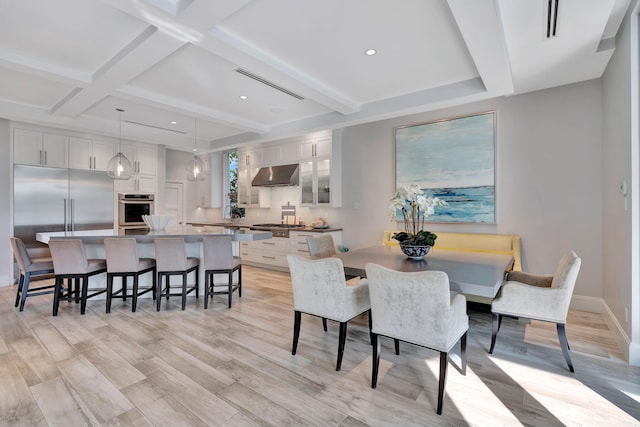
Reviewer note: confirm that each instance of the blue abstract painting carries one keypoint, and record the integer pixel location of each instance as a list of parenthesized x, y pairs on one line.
[(453, 160)]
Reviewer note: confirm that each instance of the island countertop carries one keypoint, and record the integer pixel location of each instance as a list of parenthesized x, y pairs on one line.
[(190, 234)]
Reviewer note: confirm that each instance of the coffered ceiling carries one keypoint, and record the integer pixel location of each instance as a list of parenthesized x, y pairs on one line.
[(301, 64)]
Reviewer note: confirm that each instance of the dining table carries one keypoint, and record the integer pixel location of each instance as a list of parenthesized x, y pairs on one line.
[(471, 273)]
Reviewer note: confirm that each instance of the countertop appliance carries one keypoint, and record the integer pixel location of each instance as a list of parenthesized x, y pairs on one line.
[(132, 207), (54, 199), (277, 230)]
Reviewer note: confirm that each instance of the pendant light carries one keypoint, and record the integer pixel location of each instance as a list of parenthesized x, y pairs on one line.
[(119, 167), (196, 169)]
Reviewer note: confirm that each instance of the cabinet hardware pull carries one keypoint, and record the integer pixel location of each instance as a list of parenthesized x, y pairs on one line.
[(268, 257), (41, 159), (267, 243), (45, 157)]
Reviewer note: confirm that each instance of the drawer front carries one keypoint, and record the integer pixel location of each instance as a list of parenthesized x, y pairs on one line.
[(276, 244), (268, 257)]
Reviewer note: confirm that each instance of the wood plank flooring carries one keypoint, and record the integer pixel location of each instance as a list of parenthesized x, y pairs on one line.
[(233, 367)]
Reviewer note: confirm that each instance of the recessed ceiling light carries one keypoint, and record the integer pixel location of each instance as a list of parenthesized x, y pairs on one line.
[(370, 52), (173, 122), (244, 97)]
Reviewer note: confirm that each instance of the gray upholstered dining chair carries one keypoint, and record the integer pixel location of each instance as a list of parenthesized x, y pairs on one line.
[(123, 261), (219, 259), (172, 260), (321, 246), (417, 308), (539, 297), (29, 267), (70, 262), (320, 289)]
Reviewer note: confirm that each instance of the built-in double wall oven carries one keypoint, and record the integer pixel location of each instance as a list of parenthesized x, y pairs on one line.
[(131, 208)]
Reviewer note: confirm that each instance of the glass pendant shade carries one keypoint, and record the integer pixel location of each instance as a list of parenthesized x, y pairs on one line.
[(196, 169), (119, 167)]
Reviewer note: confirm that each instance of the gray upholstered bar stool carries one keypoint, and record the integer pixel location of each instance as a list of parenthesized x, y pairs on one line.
[(123, 262), (28, 267), (172, 260), (70, 262), (219, 259)]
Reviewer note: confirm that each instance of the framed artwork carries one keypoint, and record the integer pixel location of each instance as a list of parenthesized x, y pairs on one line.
[(453, 160)]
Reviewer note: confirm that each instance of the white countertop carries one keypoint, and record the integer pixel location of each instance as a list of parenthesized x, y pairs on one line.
[(189, 233)]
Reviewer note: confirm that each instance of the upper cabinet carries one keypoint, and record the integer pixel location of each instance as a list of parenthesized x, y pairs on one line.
[(40, 148), (144, 159), (320, 172), (89, 155), (249, 163)]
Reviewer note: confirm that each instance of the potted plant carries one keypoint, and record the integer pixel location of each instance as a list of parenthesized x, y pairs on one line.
[(415, 242)]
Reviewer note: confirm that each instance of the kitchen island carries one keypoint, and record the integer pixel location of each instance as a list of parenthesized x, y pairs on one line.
[(93, 241)]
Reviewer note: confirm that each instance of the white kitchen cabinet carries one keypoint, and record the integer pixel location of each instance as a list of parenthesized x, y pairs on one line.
[(143, 158), (279, 154), (89, 155), (320, 172), (40, 148), (319, 147)]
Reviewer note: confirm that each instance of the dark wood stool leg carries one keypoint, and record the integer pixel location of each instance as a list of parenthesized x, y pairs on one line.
[(20, 283), (208, 278), (240, 281), (109, 291), (495, 327), (134, 297), (56, 294), (443, 380), (230, 287), (25, 290), (375, 363), (396, 344), (184, 290), (85, 291), (324, 324)]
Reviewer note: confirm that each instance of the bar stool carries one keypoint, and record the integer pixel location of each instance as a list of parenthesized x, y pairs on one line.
[(28, 267), (123, 262), (172, 260), (70, 262), (219, 259)]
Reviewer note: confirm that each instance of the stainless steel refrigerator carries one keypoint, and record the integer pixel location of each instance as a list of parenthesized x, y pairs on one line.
[(53, 199)]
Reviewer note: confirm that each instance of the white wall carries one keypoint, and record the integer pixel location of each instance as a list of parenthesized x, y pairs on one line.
[(549, 177), (620, 162)]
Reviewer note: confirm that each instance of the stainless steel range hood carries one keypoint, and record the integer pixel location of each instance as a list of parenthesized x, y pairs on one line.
[(276, 176)]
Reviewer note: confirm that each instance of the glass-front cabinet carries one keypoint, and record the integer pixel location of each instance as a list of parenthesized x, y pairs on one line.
[(315, 179)]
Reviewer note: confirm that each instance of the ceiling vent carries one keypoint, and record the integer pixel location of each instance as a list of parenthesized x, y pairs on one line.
[(155, 127), (552, 17), (268, 83)]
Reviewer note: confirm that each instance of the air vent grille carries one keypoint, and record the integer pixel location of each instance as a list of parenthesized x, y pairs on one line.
[(155, 127), (552, 17), (268, 83)]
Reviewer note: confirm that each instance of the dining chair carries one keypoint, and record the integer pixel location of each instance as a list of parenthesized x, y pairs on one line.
[(419, 309), (29, 267), (172, 260), (321, 246), (123, 261), (70, 262), (219, 259), (539, 297), (320, 289)]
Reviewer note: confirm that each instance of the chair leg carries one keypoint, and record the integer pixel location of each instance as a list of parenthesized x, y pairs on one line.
[(134, 297), (154, 283), (25, 290), (495, 327), (77, 289), (124, 288), (184, 290), (324, 324), (375, 362), (240, 281), (159, 292), (20, 284), (463, 353), (443, 380), (208, 278), (85, 291), (396, 344), (109, 291), (57, 290), (564, 345), (342, 337), (197, 273), (297, 316), (370, 327), (230, 287)]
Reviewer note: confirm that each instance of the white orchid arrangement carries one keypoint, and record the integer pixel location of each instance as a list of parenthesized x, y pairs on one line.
[(415, 207)]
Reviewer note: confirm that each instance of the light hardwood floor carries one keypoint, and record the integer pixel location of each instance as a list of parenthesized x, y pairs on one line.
[(233, 367)]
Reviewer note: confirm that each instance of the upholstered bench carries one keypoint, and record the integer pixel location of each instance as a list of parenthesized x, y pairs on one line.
[(508, 244)]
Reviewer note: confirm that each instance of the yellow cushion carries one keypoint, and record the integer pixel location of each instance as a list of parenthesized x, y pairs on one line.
[(508, 244)]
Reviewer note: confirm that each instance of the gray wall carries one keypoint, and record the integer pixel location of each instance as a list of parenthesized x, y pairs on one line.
[(549, 177), (6, 254), (620, 162)]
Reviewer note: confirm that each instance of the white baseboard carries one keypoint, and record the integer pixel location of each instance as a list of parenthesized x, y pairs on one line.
[(588, 304)]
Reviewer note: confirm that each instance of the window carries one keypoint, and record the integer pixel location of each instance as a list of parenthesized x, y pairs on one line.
[(232, 210)]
